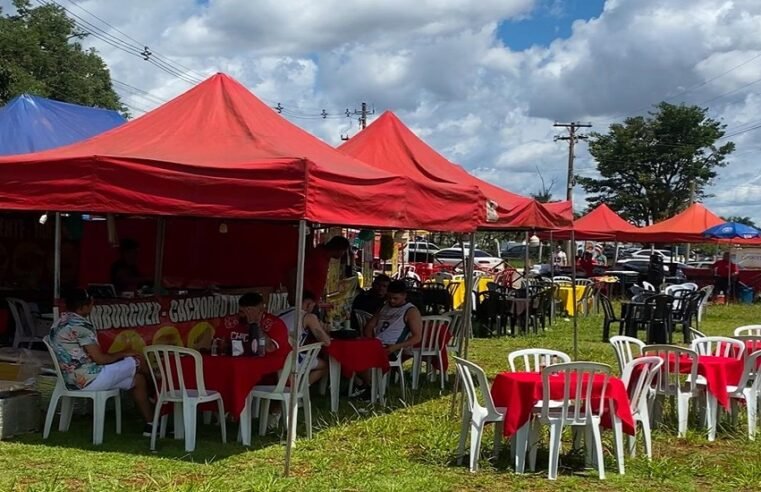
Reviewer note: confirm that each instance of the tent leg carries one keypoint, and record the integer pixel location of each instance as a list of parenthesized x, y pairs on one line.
[(295, 337), (525, 285), (467, 317), (57, 265), (575, 307), (158, 268)]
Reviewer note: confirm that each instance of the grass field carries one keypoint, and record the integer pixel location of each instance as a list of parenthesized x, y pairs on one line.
[(404, 447)]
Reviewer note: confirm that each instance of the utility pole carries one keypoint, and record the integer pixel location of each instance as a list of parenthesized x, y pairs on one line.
[(692, 201), (362, 113), (572, 138)]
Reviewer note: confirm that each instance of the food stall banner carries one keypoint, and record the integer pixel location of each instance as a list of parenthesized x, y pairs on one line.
[(33, 123), (217, 151), (192, 321), (388, 144)]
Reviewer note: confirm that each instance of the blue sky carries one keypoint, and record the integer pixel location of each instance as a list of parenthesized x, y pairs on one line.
[(550, 20)]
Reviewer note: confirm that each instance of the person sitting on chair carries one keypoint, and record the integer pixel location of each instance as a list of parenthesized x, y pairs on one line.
[(312, 330), (398, 325), (371, 300), (86, 367)]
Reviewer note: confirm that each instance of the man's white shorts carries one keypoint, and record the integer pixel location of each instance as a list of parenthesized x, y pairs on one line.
[(119, 375)]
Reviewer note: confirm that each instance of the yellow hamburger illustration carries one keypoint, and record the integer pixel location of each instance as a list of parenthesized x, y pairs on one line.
[(127, 340), (167, 335), (201, 336)]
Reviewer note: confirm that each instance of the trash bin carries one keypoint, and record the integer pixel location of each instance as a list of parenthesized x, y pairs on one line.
[(745, 294)]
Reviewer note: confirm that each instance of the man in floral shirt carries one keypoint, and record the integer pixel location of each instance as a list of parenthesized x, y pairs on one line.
[(86, 367)]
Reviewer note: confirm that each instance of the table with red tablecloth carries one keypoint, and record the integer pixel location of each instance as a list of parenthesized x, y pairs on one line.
[(353, 356), (232, 377), (519, 392), (719, 372)]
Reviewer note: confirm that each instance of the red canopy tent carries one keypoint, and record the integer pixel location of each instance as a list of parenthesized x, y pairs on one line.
[(218, 151), (601, 224), (685, 227), (389, 145)]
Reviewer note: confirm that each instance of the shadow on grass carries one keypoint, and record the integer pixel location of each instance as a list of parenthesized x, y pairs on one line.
[(209, 446)]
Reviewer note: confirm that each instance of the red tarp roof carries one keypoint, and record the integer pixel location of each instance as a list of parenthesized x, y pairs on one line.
[(601, 224), (389, 145), (684, 227), (218, 151)]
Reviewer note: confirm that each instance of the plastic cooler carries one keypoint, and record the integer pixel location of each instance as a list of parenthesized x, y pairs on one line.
[(745, 294)]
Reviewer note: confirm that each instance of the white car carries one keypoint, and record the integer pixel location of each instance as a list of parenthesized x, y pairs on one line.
[(420, 251), (645, 253), (453, 257)]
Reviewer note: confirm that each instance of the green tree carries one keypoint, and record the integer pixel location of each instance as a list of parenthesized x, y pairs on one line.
[(740, 220), (544, 194), (647, 164), (41, 54)]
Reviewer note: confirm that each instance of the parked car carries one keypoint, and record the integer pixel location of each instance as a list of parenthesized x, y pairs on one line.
[(645, 253), (421, 251), (700, 264), (453, 256), (518, 252)]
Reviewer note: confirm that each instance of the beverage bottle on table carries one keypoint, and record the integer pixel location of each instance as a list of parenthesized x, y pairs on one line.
[(253, 337), (261, 349)]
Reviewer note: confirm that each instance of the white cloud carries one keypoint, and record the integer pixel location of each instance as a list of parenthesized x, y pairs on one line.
[(441, 67)]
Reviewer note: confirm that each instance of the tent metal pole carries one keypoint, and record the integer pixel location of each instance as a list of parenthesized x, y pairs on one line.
[(158, 267), (525, 285), (552, 278), (295, 337), (575, 307), (57, 265), (467, 315)]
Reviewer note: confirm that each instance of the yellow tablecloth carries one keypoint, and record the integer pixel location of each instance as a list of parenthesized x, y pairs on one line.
[(566, 297), (458, 296)]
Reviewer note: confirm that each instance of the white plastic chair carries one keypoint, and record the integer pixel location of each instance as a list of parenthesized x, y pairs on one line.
[(29, 329), (475, 415), (648, 286), (690, 286), (719, 347), (434, 328), (277, 303), (748, 389), (695, 334), (753, 330), (168, 376), (626, 349), (638, 376), (669, 381), (707, 293), (536, 359), (456, 330), (562, 278), (99, 399), (282, 392), (577, 409)]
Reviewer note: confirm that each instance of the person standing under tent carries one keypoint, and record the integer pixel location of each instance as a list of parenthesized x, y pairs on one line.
[(86, 367), (398, 325), (313, 330), (725, 274), (316, 266), (561, 258)]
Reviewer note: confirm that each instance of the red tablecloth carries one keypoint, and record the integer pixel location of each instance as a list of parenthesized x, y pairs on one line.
[(719, 372), (519, 392), (232, 377), (359, 354)]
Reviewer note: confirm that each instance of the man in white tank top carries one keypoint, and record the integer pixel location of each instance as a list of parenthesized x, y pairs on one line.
[(398, 324)]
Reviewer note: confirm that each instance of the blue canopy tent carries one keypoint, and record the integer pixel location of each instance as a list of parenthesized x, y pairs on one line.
[(32, 123)]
